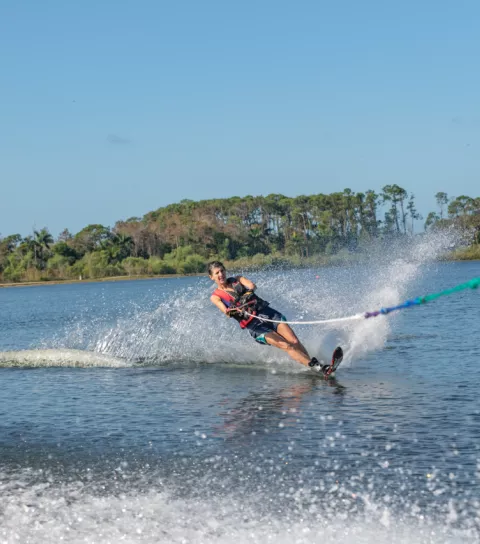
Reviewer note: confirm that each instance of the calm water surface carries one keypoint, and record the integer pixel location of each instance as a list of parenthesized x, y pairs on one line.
[(132, 411)]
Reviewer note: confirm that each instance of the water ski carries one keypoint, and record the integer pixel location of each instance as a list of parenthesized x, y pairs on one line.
[(328, 371), (337, 358)]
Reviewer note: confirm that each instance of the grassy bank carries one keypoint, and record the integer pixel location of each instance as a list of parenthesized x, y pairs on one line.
[(471, 253), (145, 271), (95, 280), (176, 270)]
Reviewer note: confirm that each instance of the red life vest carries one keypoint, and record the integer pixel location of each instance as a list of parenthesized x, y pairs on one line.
[(229, 300)]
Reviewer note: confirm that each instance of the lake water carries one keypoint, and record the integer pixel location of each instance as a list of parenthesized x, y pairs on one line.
[(134, 412)]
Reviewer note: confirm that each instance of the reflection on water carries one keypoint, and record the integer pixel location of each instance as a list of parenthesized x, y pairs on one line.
[(264, 410)]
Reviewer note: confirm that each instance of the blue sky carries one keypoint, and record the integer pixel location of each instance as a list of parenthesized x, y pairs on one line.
[(110, 109)]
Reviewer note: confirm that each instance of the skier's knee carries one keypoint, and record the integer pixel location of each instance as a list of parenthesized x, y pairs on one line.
[(283, 344)]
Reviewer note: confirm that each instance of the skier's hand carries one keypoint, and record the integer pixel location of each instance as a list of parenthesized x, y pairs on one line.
[(246, 297)]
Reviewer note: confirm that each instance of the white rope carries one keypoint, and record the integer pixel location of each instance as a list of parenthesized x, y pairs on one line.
[(321, 321)]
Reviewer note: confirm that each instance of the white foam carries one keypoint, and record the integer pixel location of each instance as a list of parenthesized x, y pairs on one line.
[(58, 357), (51, 512)]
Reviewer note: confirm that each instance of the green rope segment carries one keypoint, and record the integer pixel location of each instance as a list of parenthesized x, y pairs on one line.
[(472, 284)]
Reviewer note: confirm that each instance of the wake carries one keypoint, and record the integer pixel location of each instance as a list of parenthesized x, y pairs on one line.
[(31, 358)]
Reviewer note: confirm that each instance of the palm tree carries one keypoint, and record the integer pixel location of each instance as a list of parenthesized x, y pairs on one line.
[(117, 247), (124, 243), (41, 245)]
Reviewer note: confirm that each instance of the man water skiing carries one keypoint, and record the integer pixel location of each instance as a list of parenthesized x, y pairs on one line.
[(235, 297)]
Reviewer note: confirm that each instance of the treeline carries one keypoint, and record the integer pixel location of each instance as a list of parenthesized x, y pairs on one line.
[(181, 238)]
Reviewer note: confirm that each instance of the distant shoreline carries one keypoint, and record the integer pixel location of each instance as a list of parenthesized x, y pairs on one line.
[(98, 280), (135, 278)]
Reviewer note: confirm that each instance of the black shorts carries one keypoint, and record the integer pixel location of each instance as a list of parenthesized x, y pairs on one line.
[(258, 328)]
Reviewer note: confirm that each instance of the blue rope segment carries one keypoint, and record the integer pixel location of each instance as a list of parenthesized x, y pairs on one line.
[(472, 284)]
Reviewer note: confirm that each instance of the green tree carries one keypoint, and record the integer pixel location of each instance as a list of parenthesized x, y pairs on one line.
[(41, 246), (442, 201), (66, 251), (413, 213), (7, 246), (432, 219), (90, 238), (396, 196), (118, 247)]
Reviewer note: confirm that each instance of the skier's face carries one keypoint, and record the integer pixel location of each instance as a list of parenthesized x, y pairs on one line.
[(218, 275)]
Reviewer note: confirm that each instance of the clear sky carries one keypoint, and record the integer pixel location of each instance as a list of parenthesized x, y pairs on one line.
[(113, 108)]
